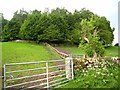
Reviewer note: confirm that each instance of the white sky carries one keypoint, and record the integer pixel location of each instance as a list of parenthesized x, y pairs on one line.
[(107, 8)]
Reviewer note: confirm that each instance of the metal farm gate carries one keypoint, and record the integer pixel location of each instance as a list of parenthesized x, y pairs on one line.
[(43, 74)]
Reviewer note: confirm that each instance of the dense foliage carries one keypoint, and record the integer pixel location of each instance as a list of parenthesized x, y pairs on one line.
[(59, 26), (3, 22), (94, 48), (100, 74), (91, 42), (11, 30)]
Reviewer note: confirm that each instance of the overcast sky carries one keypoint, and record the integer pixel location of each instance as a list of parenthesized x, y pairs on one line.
[(107, 8)]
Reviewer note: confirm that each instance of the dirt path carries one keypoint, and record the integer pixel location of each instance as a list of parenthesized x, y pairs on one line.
[(62, 50)]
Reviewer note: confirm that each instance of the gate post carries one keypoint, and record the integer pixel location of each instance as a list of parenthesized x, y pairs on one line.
[(69, 67), (47, 76), (72, 68), (4, 77)]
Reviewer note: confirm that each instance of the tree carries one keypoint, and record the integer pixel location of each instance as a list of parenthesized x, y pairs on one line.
[(105, 31), (59, 25), (12, 28), (34, 27), (94, 48), (3, 22), (91, 43), (85, 14), (51, 34), (29, 28), (58, 18), (1, 15)]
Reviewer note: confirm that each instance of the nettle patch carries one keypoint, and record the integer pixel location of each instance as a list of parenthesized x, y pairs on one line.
[(95, 73)]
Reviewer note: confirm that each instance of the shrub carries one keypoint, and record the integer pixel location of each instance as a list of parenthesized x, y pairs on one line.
[(93, 47), (103, 73)]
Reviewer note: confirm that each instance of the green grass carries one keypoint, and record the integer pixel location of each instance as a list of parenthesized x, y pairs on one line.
[(13, 52), (110, 51), (74, 50)]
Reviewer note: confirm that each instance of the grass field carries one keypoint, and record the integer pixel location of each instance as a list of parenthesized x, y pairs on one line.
[(106, 76), (110, 51), (16, 52), (13, 52), (74, 50)]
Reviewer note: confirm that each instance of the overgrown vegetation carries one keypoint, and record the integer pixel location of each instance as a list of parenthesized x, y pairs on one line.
[(100, 74), (93, 48), (91, 43)]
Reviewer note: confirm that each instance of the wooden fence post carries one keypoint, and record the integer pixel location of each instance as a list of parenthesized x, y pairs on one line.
[(69, 67)]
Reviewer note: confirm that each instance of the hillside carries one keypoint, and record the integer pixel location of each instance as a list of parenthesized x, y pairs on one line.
[(74, 50), (13, 52)]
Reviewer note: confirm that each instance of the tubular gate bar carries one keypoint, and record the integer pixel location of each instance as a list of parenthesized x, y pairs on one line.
[(48, 79)]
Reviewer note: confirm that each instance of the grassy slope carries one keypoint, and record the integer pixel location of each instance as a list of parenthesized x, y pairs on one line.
[(13, 52), (110, 51), (26, 52), (74, 50), (23, 52)]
